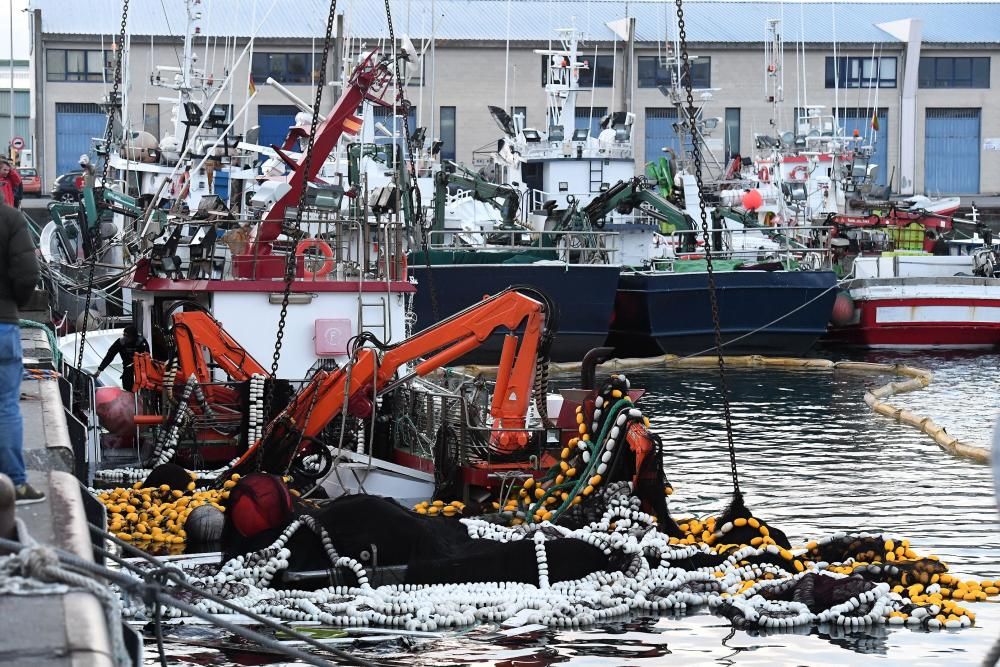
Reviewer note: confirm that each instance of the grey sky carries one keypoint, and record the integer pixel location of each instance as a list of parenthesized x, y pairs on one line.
[(22, 35)]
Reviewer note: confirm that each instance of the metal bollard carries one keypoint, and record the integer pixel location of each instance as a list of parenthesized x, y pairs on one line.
[(8, 530)]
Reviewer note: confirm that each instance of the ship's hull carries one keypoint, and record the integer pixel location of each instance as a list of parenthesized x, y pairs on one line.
[(583, 295), (760, 312), (923, 313)]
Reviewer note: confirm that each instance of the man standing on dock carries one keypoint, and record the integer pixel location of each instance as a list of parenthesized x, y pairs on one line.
[(18, 276)]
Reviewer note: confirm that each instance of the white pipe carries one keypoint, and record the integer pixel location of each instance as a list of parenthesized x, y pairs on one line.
[(506, 63), (909, 31), (293, 98), (250, 45)]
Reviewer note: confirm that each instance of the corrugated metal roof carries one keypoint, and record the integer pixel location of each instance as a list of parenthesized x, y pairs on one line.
[(534, 20)]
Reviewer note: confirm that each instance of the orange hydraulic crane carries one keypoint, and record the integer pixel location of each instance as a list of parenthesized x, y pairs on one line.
[(371, 372), (197, 334)]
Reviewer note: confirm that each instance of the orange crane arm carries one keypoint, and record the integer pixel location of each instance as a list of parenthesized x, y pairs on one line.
[(195, 334), (323, 399)]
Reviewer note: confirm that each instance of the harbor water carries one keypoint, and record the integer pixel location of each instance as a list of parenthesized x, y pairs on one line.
[(813, 460)]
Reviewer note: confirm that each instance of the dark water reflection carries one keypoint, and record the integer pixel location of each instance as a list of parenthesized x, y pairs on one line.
[(813, 459)]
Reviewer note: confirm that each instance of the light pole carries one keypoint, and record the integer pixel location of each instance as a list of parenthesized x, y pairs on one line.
[(11, 63)]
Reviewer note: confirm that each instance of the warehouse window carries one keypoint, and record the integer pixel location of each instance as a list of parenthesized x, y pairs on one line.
[(954, 72), (654, 72), (78, 65), (600, 72), (22, 114), (282, 67), (851, 72), (448, 150)]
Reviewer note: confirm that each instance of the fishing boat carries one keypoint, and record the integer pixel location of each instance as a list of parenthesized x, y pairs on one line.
[(775, 286), (912, 289), (549, 174), (331, 281)]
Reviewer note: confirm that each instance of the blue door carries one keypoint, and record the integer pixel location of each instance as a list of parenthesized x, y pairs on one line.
[(878, 140), (77, 125), (660, 133), (590, 118), (274, 121), (951, 151)]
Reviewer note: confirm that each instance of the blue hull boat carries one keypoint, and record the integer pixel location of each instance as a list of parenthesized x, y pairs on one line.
[(761, 312), (583, 296)]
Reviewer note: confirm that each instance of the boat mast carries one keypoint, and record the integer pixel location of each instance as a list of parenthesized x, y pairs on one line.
[(774, 72)]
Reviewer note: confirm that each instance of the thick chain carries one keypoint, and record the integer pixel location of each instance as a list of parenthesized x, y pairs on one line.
[(417, 204), (108, 136), (706, 236), (306, 166)]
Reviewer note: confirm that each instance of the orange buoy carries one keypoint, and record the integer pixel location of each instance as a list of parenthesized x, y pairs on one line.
[(752, 200)]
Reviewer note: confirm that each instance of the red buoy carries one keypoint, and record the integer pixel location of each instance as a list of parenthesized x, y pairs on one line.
[(752, 200), (116, 411), (259, 502), (843, 310)]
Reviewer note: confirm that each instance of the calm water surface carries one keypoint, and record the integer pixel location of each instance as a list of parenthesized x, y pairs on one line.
[(813, 459)]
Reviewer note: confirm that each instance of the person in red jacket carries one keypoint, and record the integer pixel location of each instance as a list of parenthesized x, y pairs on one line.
[(10, 185)]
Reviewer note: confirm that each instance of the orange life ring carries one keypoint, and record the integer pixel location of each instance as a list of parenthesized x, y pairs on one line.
[(324, 249), (800, 173), (763, 175)]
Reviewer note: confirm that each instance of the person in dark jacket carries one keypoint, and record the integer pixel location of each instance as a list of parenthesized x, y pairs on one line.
[(126, 348), (19, 274)]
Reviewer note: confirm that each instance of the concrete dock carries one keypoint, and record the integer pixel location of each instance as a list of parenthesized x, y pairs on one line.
[(53, 630)]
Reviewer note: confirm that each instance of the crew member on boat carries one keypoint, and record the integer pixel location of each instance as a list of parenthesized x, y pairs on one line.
[(125, 347)]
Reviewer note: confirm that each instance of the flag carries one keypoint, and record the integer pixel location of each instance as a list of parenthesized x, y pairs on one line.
[(875, 121), (251, 89)]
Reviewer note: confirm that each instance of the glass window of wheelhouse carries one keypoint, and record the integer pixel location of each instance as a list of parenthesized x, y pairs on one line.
[(448, 150)]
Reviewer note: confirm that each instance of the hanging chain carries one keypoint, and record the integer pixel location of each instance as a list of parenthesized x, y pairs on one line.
[(414, 193), (108, 136), (706, 236), (306, 166)]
